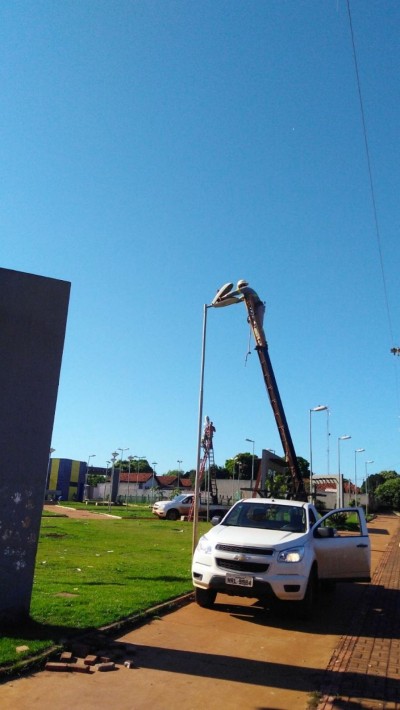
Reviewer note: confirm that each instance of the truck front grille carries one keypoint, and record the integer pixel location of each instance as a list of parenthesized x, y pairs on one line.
[(239, 566), (241, 550)]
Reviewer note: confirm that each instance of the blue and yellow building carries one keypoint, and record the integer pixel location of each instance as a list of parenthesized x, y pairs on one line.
[(67, 478)]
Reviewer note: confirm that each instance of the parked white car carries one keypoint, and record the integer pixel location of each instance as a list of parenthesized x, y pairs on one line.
[(279, 550), (173, 509), (183, 504)]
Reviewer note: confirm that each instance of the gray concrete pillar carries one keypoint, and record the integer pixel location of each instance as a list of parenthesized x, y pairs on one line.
[(33, 315)]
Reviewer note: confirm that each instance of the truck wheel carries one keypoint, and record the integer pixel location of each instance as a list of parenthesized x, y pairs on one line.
[(306, 606), (205, 597), (172, 514), (328, 586)]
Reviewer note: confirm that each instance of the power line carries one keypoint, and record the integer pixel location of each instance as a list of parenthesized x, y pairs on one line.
[(371, 182), (395, 350)]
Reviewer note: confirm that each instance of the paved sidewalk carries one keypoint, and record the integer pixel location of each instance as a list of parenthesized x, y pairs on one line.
[(364, 671)]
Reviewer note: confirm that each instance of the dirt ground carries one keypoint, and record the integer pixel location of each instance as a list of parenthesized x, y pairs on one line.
[(236, 655)]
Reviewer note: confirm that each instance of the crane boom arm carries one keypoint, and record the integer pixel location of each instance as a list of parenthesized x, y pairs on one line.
[(255, 310)]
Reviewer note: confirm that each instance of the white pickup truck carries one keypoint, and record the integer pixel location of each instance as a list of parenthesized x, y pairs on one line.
[(279, 550), (182, 505)]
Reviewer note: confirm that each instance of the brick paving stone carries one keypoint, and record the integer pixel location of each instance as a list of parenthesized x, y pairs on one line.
[(363, 672)]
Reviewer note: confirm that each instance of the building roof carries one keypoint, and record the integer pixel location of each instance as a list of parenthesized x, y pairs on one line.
[(173, 482), (168, 482), (132, 477)]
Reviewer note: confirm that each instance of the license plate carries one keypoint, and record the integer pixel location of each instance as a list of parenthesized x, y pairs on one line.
[(239, 580)]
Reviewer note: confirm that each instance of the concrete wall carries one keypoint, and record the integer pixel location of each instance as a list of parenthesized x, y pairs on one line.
[(33, 314)]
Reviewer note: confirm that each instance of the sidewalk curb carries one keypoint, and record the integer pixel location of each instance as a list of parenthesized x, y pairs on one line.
[(363, 670), (38, 662)]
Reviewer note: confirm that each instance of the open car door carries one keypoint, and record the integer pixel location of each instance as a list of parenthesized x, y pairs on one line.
[(342, 546)]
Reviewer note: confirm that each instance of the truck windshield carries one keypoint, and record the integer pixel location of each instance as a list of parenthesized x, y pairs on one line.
[(268, 516)]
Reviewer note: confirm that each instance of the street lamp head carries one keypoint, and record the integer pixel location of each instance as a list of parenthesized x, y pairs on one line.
[(222, 297), (344, 437), (369, 462), (251, 441), (319, 408), (358, 451)]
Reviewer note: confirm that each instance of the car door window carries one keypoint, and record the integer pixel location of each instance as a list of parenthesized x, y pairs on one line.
[(342, 546), (345, 523)]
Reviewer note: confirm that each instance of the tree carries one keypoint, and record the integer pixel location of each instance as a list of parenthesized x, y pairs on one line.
[(279, 484), (376, 479), (304, 467), (389, 475), (94, 478), (137, 466), (219, 472), (241, 466), (388, 493)]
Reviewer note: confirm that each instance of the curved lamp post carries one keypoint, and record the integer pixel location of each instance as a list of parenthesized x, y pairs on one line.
[(114, 456), (138, 459), (252, 463), (357, 451), (122, 456), (366, 485), (216, 303), (341, 438), (130, 459), (319, 408)]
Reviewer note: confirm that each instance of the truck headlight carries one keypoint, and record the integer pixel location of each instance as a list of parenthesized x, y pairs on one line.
[(204, 546), (295, 554)]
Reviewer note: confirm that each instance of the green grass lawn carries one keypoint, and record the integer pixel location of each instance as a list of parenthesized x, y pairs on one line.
[(90, 573)]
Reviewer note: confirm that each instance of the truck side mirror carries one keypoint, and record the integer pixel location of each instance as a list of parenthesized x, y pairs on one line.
[(324, 532), (215, 520)]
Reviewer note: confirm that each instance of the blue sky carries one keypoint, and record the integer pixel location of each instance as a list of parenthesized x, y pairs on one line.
[(152, 151)]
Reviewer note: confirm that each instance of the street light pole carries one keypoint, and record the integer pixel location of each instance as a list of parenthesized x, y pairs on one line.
[(51, 451), (319, 408), (328, 436), (87, 473), (122, 456), (366, 485), (105, 482), (122, 453), (216, 303), (199, 431), (130, 459), (252, 463), (138, 459), (233, 480), (357, 451), (340, 482), (113, 460)]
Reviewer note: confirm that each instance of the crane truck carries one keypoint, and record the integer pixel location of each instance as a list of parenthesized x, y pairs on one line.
[(278, 550), (255, 310)]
